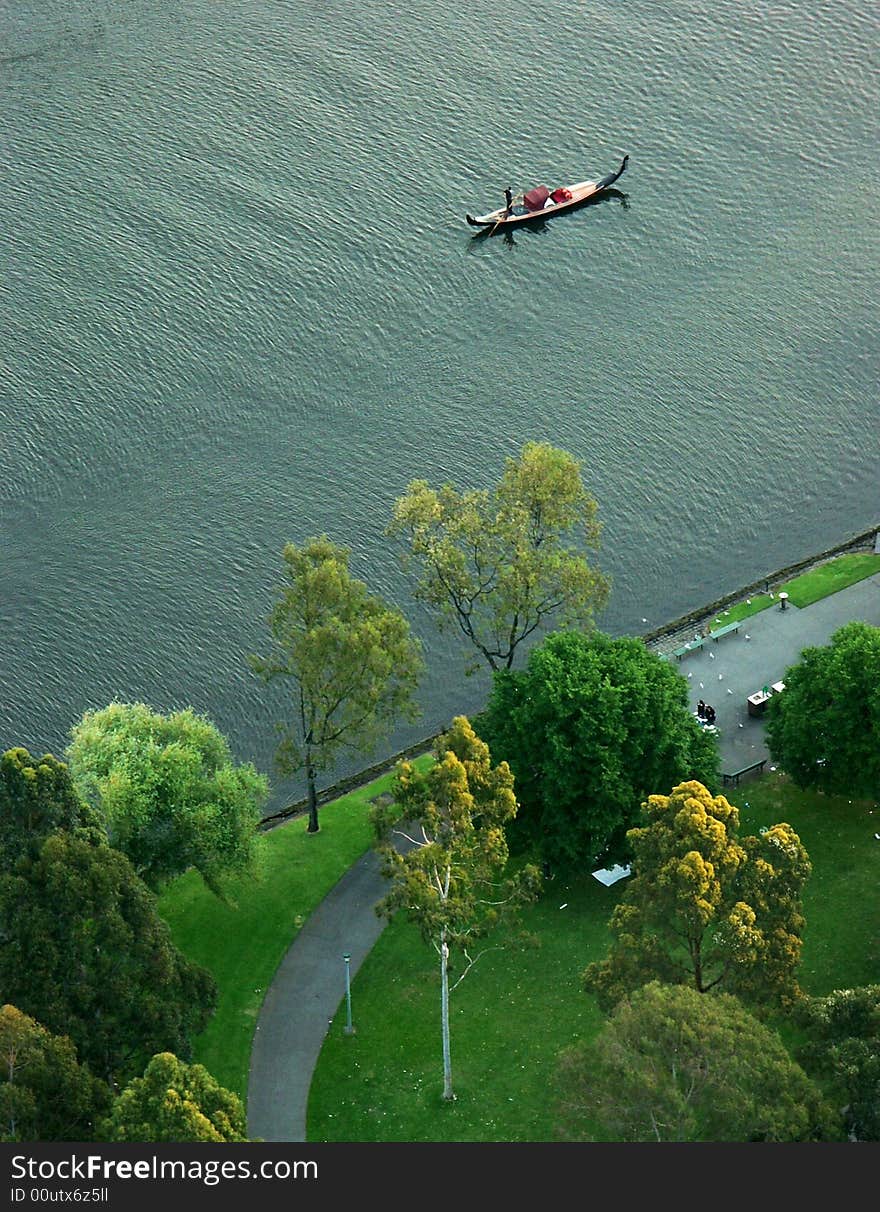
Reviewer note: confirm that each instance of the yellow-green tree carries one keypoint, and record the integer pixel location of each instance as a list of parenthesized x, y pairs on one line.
[(704, 907), (452, 882), (352, 659), (168, 791), (176, 1102), (671, 1065), (500, 565)]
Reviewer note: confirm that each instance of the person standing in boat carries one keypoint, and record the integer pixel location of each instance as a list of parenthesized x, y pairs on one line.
[(508, 199)]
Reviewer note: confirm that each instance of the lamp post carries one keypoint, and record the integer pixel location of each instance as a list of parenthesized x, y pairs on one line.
[(349, 1029)]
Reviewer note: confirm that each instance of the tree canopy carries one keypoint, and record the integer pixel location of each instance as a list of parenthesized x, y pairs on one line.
[(451, 881), (176, 1102), (843, 1046), (500, 565), (85, 952), (590, 727), (703, 907), (671, 1065), (168, 791), (45, 1094), (351, 658), (38, 796), (824, 729)]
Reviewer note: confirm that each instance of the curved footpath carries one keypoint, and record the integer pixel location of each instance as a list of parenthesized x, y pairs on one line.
[(310, 981)]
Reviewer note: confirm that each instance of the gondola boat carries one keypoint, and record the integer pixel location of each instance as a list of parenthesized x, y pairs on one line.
[(541, 202)]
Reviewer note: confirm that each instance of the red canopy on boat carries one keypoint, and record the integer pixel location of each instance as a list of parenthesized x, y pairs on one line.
[(535, 198)]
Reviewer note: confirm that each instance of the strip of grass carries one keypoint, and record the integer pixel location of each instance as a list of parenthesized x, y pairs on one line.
[(829, 578), (242, 943), (810, 587), (521, 1006), (742, 610)]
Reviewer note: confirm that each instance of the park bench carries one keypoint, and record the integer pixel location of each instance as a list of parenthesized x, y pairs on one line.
[(720, 631), (690, 646), (732, 780)]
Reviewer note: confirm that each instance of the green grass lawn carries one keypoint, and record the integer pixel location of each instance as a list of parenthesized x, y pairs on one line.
[(812, 586), (507, 1017), (841, 906), (243, 942), (828, 578), (521, 1005)]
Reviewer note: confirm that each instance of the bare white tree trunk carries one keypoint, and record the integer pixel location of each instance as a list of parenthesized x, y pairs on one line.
[(444, 1014)]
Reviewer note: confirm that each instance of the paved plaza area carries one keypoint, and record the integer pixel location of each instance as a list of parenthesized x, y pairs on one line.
[(725, 673), (310, 982)]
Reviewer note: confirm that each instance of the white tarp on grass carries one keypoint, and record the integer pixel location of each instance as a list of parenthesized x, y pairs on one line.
[(610, 875)]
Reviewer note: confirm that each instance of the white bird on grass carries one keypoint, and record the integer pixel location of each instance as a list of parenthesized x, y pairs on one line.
[(720, 676), (748, 637), (729, 691), (711, 656), (740, 725), (701, 685)]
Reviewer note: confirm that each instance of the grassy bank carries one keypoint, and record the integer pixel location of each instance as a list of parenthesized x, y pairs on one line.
[(241, 943), (808, 588), (520, 1006)]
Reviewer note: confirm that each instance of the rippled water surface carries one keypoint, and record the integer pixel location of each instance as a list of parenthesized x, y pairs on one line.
[(240, 305)]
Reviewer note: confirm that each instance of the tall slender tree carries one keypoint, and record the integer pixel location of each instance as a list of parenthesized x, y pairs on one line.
[(452, 881), (501, 564), (352, 659)]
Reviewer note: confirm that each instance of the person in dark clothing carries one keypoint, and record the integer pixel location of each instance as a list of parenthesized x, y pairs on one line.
[(701, 709), (710, 715), (508, 200)]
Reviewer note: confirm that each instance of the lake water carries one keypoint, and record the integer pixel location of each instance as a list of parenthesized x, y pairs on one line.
[(240, 305)]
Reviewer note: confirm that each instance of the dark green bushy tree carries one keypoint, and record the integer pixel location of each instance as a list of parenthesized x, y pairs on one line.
[(824, 728), (85, 952), (590, 727), (844, 1047), (38, 796), (45, 1094)]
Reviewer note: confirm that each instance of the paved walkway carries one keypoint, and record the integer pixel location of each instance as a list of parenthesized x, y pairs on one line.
[(758, 655), (310, 982)]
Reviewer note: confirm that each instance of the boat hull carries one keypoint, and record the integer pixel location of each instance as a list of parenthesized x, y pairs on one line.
[(580, 192)]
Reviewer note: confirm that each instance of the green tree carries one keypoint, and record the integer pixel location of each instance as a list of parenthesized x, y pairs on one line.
[(168, 790), (703, 907), (452, 883), (38, 796), (352, 659), (671, 1065), (85, 952), (843, 1047), (590, 727), (500, 565), (176, 1102), (45, 1094), (823, 728)]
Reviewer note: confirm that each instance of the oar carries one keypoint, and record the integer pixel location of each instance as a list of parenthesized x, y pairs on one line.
[(504, 213)]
